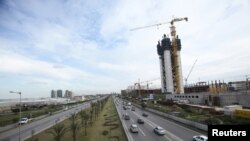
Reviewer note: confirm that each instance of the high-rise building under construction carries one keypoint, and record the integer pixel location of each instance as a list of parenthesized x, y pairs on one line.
[(170, 61), (170, 65)]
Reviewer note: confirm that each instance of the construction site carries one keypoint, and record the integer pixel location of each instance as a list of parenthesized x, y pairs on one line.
[(211, 93)]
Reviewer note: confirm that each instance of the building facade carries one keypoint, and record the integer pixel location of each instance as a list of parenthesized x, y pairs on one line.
[(53, 94), (59, 93), (68, 94)]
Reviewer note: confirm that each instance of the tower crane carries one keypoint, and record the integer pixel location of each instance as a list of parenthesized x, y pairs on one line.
[(175, 56), (159, 24), (190, 72), (177, 74), (139, 84)]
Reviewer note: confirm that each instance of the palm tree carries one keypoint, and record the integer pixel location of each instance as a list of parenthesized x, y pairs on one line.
[(86, 118), (91, 114), (82, 114), (74, 126), (58, 131), (93, 110)]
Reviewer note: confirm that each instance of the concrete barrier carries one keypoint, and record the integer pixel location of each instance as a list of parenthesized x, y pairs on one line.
[(123, 124), (193, 124)]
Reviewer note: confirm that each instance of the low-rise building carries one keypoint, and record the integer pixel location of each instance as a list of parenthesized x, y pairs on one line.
[(79, 98)]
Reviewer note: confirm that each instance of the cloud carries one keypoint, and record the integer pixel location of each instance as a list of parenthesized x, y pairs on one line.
[(87, 46), (14, 63), (38, 83)]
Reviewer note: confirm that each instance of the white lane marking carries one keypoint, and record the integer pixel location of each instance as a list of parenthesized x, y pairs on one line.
[(141, 131), (132, 120), (139, 128), (179, 125), (169, 134), (167, 138), (152, 124), (124, 125)]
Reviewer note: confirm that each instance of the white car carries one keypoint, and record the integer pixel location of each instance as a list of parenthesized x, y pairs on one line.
[(159, 130), (24, 121), (133, 128), (200, 138)]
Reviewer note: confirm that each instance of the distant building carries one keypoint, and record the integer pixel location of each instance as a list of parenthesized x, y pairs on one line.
[(68, 94), (53, 94), (79, 98), (59, 93), (239, 85)]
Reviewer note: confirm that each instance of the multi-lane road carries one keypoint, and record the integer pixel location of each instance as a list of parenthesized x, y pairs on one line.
[(39, 125), (174, 131)]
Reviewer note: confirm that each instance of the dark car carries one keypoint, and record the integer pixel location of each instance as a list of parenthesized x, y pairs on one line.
[(140, 121), (144, 114), (133, 109), (126, 117)]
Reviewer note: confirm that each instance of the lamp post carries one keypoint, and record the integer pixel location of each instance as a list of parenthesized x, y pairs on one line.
[(20, 112)]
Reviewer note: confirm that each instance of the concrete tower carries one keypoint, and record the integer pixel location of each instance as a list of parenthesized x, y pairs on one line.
[(170, 64), (164, 52)]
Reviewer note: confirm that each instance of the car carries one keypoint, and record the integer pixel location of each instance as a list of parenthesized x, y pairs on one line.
[(24, 121), (126, 117), (133, 109), (159, 130), (140, 121), (200, 138), (144, 114), (133, 128), (128, 107)]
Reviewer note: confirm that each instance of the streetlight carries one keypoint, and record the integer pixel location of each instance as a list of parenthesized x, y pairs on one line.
[(20, 116)]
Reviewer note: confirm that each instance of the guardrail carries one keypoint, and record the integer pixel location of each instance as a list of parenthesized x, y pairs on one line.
[(123, 124), (190, 123)]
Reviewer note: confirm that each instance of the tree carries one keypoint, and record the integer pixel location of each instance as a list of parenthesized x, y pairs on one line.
[(93, 110), (143, 105), (84, 117), (74, 126), (91, 114), (58, 131)]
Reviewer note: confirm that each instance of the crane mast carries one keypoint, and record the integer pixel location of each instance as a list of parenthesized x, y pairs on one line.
[(190, 72), (170, 62), (177, 74)]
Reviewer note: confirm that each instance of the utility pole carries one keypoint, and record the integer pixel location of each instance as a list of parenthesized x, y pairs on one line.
[(20, 112)]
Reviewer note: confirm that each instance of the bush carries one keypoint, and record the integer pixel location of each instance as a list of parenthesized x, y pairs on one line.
[(14, 120), (105, 132)]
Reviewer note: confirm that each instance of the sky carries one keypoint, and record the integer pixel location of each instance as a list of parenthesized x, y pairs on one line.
[(87, 46)]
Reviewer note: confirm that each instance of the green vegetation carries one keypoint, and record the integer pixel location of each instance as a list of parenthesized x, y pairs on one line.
[(57, 131), (99, 122), (11, 118), (205, 116)]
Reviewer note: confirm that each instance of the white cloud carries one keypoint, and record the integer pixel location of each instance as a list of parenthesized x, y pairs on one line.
[(88, 46), (13, 63)]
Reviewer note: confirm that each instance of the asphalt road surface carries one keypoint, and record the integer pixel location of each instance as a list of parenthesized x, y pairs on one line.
[(40, 125), (175, 132)]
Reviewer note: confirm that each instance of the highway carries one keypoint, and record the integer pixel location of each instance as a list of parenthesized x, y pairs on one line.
[(175, 132), (40, 125)]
